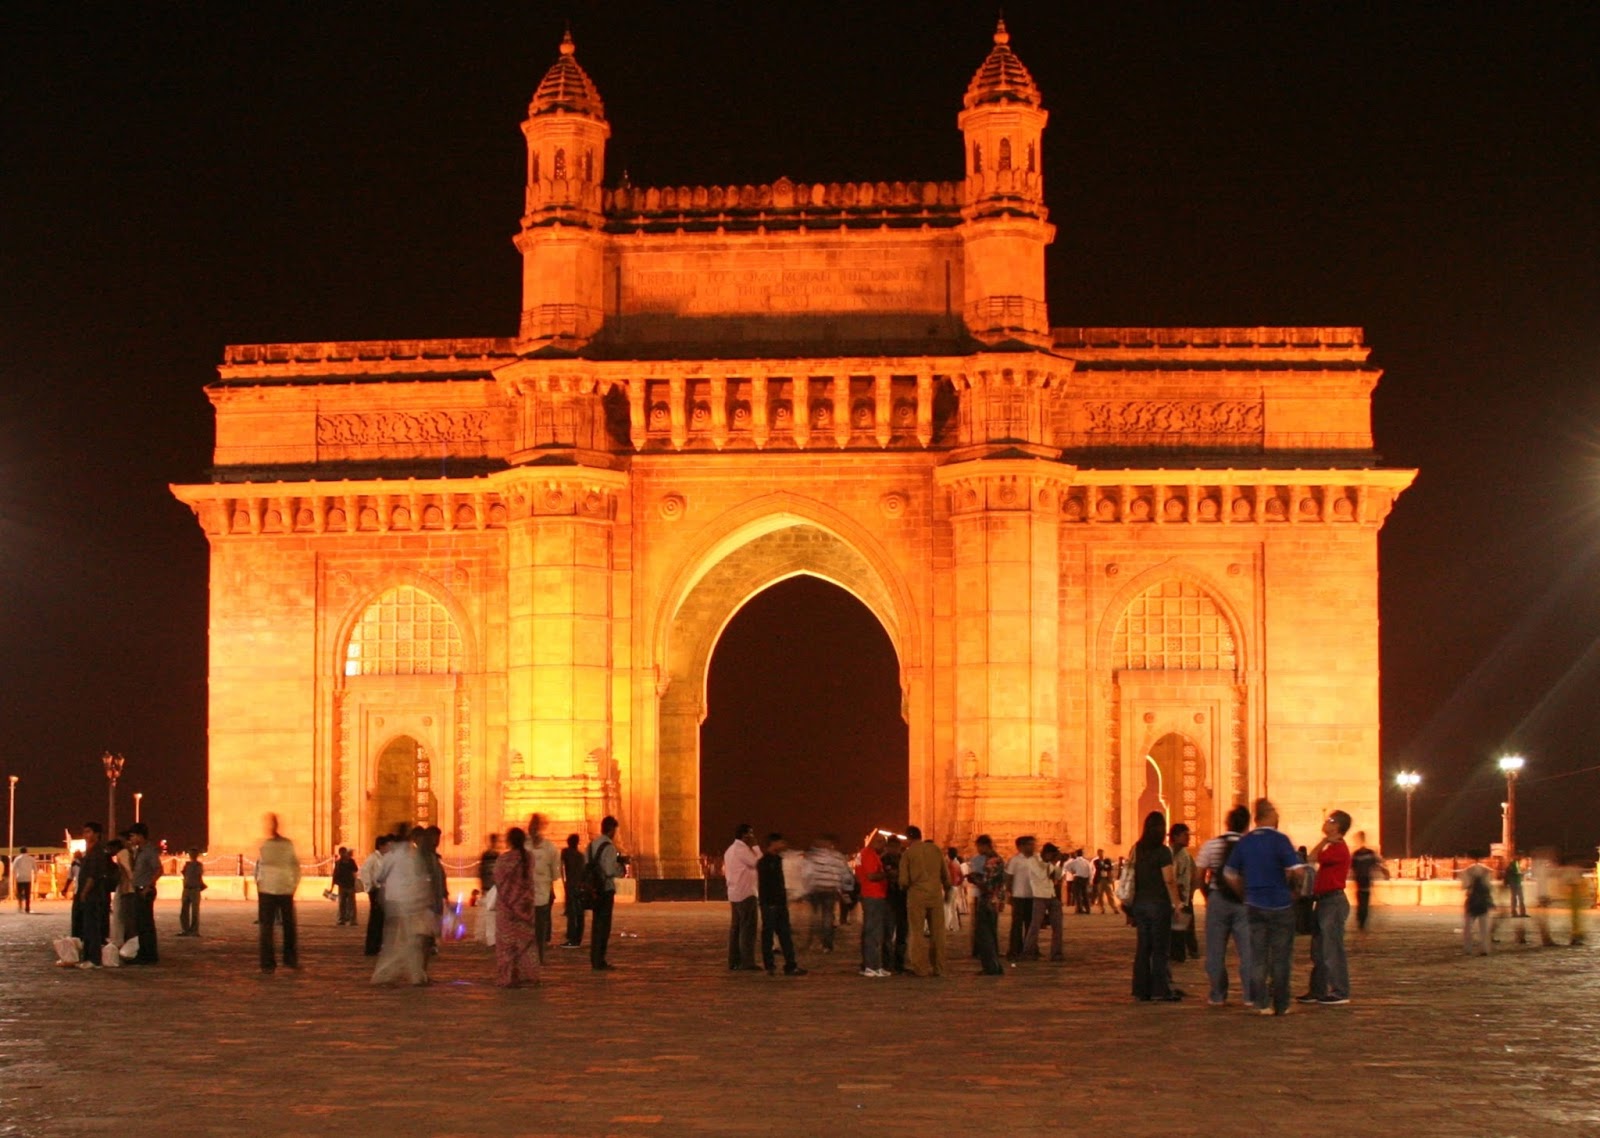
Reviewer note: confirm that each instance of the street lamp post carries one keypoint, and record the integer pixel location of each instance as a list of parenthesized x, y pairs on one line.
[(11, 820), (1511, 766), (138, 798), (113, 765), (1407, 781)]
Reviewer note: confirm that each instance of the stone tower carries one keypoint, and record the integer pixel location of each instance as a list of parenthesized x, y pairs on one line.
[(1002, 125)]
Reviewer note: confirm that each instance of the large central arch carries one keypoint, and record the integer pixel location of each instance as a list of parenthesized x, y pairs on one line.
[(767, 544)]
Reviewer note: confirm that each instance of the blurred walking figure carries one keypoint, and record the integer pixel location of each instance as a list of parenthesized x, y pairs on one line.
[(955, 896), (824, 875), (1365, 865), (22, 869), (546, 862), (516, 949), (194, 883), (1105, 882), (408, 922), (739, 870), (924, 875), (369, 881), (1477, 884), (1513, 880), (277, 877)]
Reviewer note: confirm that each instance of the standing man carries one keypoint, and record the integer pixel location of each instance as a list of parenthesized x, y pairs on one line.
[(1365, 864), (91, 902), (277, 877), (1264, 865), (987, 872), (22, 869), (1019, 883), (1330, 968), (1082, 870), (1225, 911), (774, 893), (1513, 879), (607, 866), (874, 893), (1105, 881), (924, 875), (344, 881), (572, 887), (194, 883), (146, 872), (546, 862), (368, 876), (892, 849), (486, 864), (739, 868), (1049, 878), (1184, 944)]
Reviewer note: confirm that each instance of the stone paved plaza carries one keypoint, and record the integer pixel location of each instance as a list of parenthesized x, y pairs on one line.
[(672, 1043)]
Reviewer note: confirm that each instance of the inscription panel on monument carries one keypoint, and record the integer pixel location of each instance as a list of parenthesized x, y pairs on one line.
[(779, 281)]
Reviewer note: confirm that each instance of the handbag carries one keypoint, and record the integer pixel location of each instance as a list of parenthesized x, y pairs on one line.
[(1125, 883)]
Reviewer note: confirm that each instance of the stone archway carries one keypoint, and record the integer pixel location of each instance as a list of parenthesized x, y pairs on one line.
[(795, 548), (402, 787)]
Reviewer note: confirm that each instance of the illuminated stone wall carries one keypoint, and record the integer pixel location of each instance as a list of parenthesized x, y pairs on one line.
[(479, 578)]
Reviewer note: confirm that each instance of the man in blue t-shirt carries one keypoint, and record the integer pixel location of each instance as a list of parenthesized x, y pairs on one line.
[(1263, 866)]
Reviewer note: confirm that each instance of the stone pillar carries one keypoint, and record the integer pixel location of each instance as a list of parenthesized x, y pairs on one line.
[(558, 666), (1006, 564)]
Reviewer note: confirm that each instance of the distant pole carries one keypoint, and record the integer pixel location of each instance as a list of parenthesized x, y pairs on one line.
[(1512, 766), (138, 798), (1407, 781), (11, 820), (113, 765)]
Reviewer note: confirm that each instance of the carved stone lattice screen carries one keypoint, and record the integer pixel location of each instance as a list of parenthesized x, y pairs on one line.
[(405, 632), (1174, 626)]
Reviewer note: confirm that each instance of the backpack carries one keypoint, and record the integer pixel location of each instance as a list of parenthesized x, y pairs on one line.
[(1219, 878), (1479, 899), (593, 882)]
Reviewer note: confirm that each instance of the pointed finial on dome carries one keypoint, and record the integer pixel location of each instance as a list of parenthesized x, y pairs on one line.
[(566, 86), (1002, 78), (567, 46), (1000, 33)]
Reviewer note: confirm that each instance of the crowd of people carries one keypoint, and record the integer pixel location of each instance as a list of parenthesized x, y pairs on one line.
[(1260, 891)]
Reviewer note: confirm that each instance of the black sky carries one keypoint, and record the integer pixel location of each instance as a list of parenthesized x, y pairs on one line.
[(174, 177)]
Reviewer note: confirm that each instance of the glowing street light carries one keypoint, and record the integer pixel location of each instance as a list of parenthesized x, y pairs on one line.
[(1408, 781), (138, 797), (113, 765), (11, 820), (1511, 766)]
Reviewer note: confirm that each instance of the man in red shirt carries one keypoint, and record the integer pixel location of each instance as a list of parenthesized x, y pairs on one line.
[(873, 880), (1330, 968)]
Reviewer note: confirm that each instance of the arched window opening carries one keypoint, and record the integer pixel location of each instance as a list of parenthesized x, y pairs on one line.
[(560, 164), (533, 170), (977, 158), (405, 632), (1176, 626), (588, 165), (1005, 154), (1033, 159)]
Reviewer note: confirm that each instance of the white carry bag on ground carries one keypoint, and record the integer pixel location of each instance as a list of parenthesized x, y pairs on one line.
[(109, 957), (69, 949)]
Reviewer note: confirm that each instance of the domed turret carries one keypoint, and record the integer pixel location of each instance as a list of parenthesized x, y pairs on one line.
[(1002, 78), (1002, 125), (560, 239)]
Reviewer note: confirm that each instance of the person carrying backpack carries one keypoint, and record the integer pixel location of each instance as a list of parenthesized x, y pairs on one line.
[(1225, 911), (602, 866)]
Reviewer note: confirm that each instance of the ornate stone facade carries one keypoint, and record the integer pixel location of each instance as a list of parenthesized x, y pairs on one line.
[(1120, 566)]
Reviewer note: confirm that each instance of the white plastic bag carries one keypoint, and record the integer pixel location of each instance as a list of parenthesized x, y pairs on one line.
[(130, 948), (109, 957), (69, 949)]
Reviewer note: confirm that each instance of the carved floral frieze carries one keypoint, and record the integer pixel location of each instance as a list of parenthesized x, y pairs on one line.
[(1173, 416), (387, 428)]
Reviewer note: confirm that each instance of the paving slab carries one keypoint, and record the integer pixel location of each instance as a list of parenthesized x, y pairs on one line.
[(1434, 1045)]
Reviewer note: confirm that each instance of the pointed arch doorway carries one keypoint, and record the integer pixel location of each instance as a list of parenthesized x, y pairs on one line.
[(804, 731), (402, 787)]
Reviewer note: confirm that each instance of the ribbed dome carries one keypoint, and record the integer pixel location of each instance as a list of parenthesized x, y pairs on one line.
[(1002, 78), (567, 87)]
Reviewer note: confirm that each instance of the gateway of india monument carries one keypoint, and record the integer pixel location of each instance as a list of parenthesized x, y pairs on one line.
[(1122, 568)]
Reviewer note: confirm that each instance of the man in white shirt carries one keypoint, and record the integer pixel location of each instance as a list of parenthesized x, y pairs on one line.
[(1019, 875), (545, 860), (1082, 869), (739, 867), (277, 877), (22, 878)]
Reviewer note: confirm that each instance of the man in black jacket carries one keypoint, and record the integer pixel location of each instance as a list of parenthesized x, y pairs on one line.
[(774, 894)]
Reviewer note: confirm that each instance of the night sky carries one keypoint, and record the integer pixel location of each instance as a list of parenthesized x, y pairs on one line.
[(175, 177)]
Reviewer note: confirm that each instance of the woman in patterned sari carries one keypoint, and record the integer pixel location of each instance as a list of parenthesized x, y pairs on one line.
[(516, 956)]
